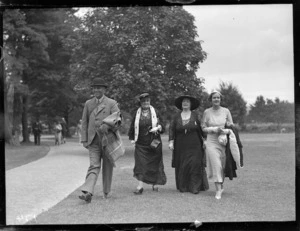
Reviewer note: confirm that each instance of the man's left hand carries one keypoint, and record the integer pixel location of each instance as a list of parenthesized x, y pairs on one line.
[(104, 128)]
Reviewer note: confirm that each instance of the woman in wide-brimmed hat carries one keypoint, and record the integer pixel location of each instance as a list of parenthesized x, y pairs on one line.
[(186, 141), (144, 132), (213, 123)]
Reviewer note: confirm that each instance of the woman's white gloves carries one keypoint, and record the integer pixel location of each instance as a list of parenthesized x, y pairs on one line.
[(217, 130), (156, 129), (212, 129), (132, 142), (225, 131)]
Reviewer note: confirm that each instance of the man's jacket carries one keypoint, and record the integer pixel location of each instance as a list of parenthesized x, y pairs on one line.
[(93, 115)]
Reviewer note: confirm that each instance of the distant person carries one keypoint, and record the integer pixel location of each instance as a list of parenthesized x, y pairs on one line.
[(213, 123), (64, 130), (78, 130), (144, 133), (92, 133), (186, 142), (37, 130), (57, 132)]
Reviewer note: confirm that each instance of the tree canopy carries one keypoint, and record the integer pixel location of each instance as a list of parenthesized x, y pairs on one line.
[(272, 111), (51, 56), (139, 49), (37, 65)]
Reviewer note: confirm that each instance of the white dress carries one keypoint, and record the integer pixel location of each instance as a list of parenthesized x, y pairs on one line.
[(215, 152)]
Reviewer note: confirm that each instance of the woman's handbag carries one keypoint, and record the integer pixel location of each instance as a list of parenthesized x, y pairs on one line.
[(155, 142)]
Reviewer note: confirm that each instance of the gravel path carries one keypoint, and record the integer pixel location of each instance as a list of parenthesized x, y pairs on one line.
[(30, 188)]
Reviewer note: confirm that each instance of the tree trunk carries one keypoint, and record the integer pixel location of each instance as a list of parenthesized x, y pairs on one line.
[(10, 137), (25, 132), (67, 114)]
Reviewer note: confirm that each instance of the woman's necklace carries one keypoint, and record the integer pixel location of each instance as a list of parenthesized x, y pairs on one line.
[(185, 115), (145, 112)]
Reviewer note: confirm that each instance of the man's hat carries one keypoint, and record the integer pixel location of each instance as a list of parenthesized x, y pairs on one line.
[(194, 102), (98, 82)]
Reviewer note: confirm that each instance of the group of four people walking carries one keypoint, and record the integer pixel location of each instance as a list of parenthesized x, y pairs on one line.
[(195, 144)]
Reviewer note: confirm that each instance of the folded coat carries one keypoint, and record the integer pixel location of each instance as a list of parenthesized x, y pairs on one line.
[(112, 144), (230, 165)]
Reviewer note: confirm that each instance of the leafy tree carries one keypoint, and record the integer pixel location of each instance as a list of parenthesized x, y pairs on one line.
[(272, 111), (22, 46), (51, 83), (38, 60), (234, 101), (139, 49), (258, 110)]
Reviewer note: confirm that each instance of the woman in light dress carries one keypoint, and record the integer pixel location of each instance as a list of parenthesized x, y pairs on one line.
[(213, 123)]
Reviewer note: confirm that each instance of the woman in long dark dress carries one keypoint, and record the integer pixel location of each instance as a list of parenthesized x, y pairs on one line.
[(186, 141), (145, 127)]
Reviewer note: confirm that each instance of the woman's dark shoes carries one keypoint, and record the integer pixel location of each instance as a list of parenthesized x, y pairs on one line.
[(154, 188), (138, 191), (87, 197)]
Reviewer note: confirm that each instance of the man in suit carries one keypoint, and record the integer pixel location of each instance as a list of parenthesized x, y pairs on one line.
[(95, 110)]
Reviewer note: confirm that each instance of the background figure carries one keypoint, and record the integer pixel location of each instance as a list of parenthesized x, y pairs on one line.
[(57, 133), (147, 126), (213, 123), (92, 132), (186, 141), (63, 131), (37, 130), (78, 130)]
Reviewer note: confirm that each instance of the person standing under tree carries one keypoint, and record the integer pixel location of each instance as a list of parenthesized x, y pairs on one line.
[(64, 130), (78, 130), (37, 130)]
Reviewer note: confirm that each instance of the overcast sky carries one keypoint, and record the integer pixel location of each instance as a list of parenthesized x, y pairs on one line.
[(248, 45)]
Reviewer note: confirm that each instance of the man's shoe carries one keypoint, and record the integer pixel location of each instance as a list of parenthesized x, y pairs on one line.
[(87, 197), (138, 191)]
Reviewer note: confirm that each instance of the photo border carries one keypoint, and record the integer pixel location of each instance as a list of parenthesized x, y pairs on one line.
[(289, 225)]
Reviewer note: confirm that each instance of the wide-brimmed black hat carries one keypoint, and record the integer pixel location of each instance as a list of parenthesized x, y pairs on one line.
[(144, 95), (98, 82), (194, 102)]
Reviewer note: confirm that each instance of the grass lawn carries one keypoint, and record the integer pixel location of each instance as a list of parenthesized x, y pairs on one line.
[(263, 191), (16, 156)]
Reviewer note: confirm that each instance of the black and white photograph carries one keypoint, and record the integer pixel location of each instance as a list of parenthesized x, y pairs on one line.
[(149, 114)]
